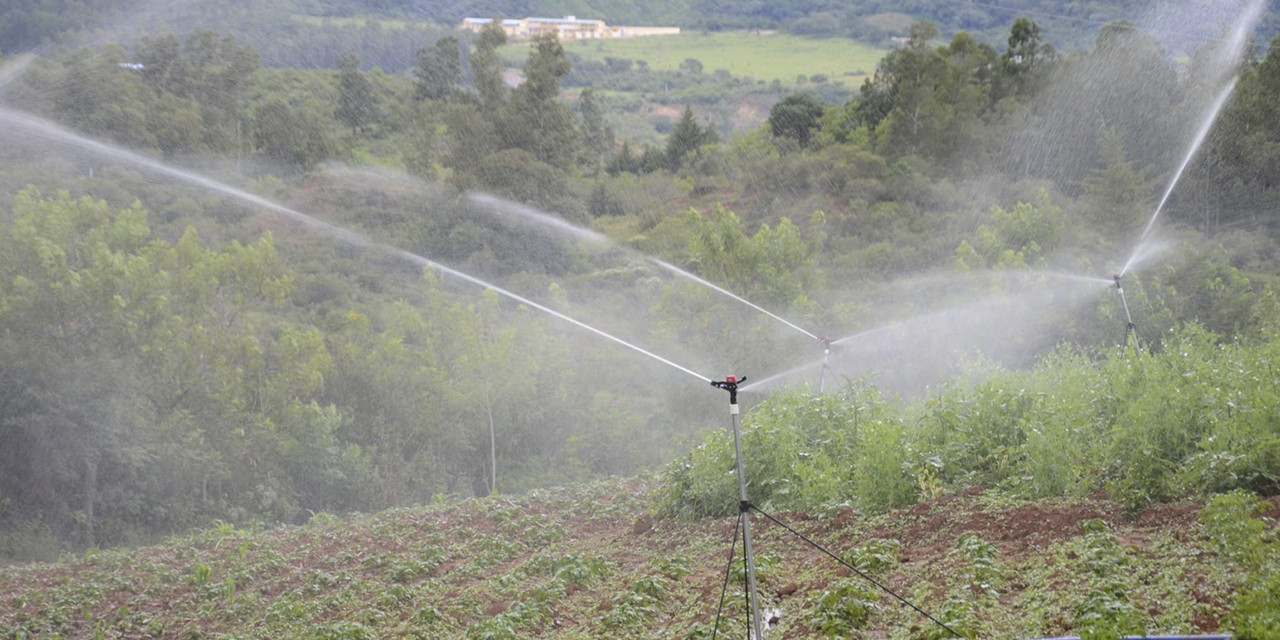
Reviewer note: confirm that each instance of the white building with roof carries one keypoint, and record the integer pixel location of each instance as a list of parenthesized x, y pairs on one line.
[(566, 28)]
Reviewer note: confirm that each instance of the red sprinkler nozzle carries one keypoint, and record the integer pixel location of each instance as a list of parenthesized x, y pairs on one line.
[(731, 379)]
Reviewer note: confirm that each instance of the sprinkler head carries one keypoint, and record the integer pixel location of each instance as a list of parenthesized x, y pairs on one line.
[(730, 383), (1117, 279)]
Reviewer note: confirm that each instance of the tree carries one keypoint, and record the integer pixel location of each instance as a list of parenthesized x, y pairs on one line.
[(439, 70), (597, 135), (915, 71), (357, 103), (130, 376), (692, 65), (1028, 56), (210, 70), (1238, 169), (296, 136), (487, 67), (100, 98), (1117, 196), (939, 95), (473, 136), (520, 176), (1018, 238), (686, 138), (534, 119), (625, 161), (1109, 89), (796, 117)]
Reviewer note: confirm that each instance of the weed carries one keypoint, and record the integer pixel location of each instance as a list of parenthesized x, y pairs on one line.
[(674, 567), (1239, 534), (874, 556), (843, 609), (200, 574), (576, 568), (1105, 613), (981, 572), (343, 630)]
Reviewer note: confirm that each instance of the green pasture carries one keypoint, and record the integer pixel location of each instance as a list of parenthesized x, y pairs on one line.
[(358, 21), (763, 56)]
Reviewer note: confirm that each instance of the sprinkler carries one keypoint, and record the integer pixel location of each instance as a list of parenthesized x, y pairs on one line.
[(730, 384), (1130, 329), (756, 630), (826, 358)]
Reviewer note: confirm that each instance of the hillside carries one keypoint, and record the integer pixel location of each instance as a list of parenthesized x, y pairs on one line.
[(589, 562)]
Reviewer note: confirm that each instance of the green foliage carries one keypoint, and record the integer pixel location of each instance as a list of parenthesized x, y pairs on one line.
[(843, 609), (181, 379), (875, 556), (1187, 420), (1106, 613), (1235, 529), (438, 73), (796, 453), (357, 104), (487, 68), (1018, 238), (631, 610), (796, 117), (981, 572), (1232, 522), (687, 139), (293, 136)]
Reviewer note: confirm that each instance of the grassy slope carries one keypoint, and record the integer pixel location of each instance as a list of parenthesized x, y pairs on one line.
[(763, 57), (586, 562)]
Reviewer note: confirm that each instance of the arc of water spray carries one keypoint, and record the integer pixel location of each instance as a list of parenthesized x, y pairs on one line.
[(677, 270), (13, 70), (917, 321), (1250, 15), (53, 132), (1203, 133), (579, 232)]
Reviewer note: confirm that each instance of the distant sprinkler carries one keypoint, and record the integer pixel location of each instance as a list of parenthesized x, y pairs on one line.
[(826, 358)]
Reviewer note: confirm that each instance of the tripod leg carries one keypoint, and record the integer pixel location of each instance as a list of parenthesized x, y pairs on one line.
[(728, 570)]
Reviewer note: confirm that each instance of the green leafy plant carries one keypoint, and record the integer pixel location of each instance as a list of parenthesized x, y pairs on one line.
[(981, 570), (1106, 612), (843, 609), (874, 556), (1239, 534)]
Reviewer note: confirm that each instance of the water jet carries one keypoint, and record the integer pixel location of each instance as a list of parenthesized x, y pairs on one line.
[(53, 132)]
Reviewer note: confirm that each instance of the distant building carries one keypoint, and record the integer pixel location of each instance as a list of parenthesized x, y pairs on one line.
[(566, 28)]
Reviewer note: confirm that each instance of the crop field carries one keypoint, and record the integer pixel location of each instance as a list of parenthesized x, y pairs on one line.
[(589, 562), (763, 56)]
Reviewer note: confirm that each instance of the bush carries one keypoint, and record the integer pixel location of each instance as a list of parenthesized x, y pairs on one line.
[(800, 451)]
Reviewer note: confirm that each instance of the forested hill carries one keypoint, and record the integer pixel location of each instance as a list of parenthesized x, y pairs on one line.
[(26, 24)]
